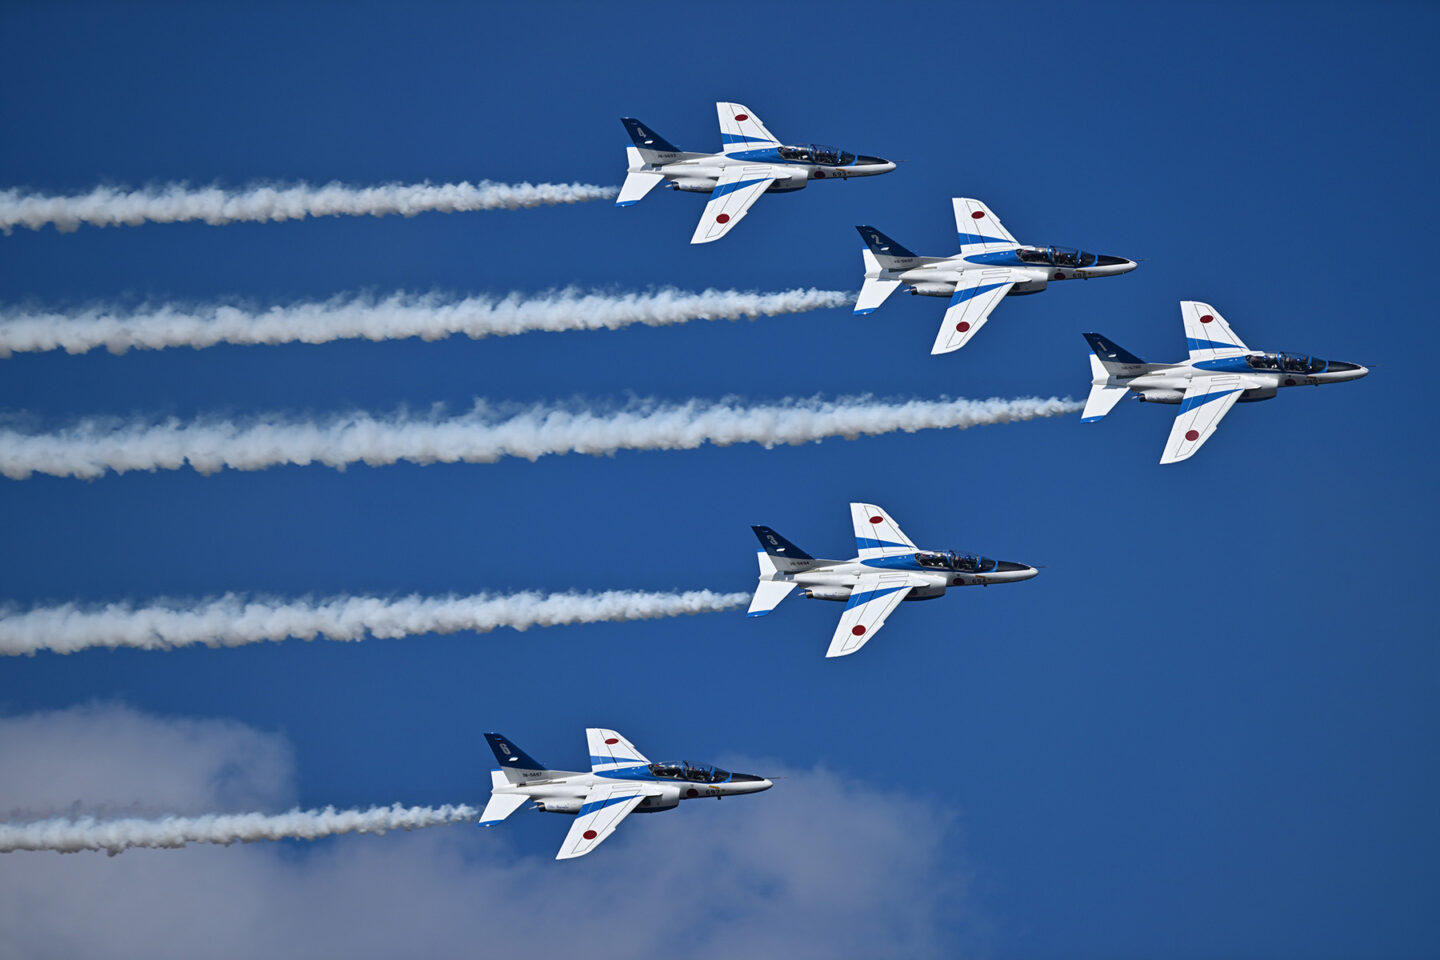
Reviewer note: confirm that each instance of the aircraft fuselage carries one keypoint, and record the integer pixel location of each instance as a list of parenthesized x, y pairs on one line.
[(835, 579), (1167, 383), (699, 173)]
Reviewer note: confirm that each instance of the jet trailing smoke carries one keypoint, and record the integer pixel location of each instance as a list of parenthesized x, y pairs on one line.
[(89, 448), (430, 316), (174, 202), (117, 836), (232, 621)]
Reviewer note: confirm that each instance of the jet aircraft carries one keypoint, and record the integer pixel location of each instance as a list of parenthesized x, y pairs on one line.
[(1221, 371), (751, 162), (991, 264), (888, 568), (620, 782)]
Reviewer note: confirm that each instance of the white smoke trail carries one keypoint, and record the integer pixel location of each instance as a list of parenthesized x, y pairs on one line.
[(174, 202), (116, 836), (231, 620), (89, 448), (430, 316)]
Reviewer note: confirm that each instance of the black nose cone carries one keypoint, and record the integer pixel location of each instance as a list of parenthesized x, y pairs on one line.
[(1340, 366), (1005, 566), (864, 159), (744, 778), (1107, 261)]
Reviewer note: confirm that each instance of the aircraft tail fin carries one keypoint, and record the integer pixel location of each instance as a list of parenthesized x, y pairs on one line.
[(876, 289), (638, 182), (784, 555), (653, 148), (516, 765), (770, 591), (501, 805), (1104, 393), (889, 255), (1117, 361)]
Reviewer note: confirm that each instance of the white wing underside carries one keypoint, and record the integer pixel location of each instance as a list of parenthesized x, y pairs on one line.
[(876, 533), (976, 294), (737, 189), (603, 809), (980, 230), (872, 599), (1207, 399), (1207, 334)]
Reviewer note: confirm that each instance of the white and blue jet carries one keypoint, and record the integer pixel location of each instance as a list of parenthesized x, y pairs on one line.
[(991, 265), (887, 569), (1221, 371), (620, 782), (751, 162)]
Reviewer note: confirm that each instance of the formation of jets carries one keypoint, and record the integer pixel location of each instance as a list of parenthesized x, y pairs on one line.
[(621, 781), (888, 568)]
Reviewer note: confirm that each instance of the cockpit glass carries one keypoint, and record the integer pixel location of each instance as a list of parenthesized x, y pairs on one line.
[(693, 772), (846, 158), (1317, 365), (820, 153), (1294, 362), (1033, 255), (794, 153), (928, 559), (1065, 256), (1086, 259), (1262, 361)]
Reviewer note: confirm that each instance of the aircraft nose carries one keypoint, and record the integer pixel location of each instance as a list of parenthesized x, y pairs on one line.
[(1115, 264), (1352, 371), (750, 784), (1016, 571), (885, 166)]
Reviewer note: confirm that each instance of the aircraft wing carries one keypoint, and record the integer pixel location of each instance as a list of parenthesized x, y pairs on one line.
[(741, 130), (603, 809), (738, 188), (876, 534), (977, 293), (979, 228), (1207, 399), (1207, 334), (872, 599)]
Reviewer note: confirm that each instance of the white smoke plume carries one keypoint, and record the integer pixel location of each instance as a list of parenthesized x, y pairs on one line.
[(430, 316), (89, 448), (232, 621), (175, 202), (116, 836)]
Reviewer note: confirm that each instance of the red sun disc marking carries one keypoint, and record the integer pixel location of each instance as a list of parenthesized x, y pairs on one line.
[(1206, 319), (589, 834), (692, 792), (611, 740), (963, 325), (978, 215), (742, 117), (1192, 435), (723, 218), (877, 519), (858, 630), (819, 174)]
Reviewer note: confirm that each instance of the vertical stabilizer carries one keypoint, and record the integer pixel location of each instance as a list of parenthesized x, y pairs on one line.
[(517, 765)]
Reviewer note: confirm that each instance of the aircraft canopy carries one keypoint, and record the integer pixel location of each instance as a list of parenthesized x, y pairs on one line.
[(694, 772), (818, 153), (950, 560), (1286, 362), (1056, 256)]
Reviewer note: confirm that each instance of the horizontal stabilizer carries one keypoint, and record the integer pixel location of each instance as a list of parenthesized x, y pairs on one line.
[(875, 290), (637, 182), (1104, 395), (501, 805), (768, 593)]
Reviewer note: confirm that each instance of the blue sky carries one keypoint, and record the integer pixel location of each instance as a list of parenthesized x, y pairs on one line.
[(1207, 728)]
